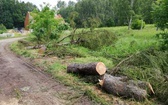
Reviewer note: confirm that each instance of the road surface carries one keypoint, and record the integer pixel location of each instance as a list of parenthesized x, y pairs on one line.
[(23, 84)]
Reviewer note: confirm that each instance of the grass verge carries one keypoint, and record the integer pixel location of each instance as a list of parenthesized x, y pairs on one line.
[(129, 42)]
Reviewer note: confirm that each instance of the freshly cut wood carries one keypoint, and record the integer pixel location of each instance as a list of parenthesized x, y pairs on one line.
[(96, 68), (115, 85)]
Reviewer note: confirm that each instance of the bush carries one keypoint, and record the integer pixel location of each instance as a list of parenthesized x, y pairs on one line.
[(45, 26), (63, 26), (163, 40), (2, 28), (136, 24), (110, 22), (96, 39)]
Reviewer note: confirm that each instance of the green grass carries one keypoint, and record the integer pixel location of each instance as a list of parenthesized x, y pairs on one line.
[(129, 42), (19, 49), (132, 41)]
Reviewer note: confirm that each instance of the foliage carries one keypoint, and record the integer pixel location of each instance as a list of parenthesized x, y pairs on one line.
[(163, 40), (110, 12), (13, 12), (96, 39), (110, 22), (92, 23), (72, 16), (2, 28), (45, 26), (63, 26), (151, 66), (65, 12), (138, 24), (61, 4), (63, 51), (160, 15)]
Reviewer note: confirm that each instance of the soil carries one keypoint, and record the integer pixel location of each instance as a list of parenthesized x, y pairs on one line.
[(23, 84)]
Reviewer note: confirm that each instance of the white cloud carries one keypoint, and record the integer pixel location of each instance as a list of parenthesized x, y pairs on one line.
[(51, 2)]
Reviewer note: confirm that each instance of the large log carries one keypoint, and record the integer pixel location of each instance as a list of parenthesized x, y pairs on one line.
[(97, 68), (143, 85), (115, 85)]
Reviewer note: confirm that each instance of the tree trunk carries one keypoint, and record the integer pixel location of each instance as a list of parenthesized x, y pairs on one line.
[(141, 24), (97, 68), (130, 21), (116, 86)]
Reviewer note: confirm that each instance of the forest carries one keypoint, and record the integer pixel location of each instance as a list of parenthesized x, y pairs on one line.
[(108, 12), (13, 12)]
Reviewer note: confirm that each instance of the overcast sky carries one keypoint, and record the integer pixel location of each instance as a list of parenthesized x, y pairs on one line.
[(51, 2)]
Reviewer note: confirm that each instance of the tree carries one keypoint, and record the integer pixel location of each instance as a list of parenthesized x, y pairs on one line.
[(65, 12), (6, 19), (13, 12), (160, 15), (131, 14), (110, 12), (71, 3), (45, 26), (61, 4)]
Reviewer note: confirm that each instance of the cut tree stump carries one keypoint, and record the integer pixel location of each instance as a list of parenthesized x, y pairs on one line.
[(115, 85), (96, 68)]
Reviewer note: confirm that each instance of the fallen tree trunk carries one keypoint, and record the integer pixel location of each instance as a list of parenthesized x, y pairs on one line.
[(143, 85), (115, 85), (97, 68)]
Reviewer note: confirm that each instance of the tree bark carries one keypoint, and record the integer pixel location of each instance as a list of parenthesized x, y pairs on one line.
[(130, 20), (141, 24), (130, 23), (97, 68), (116, 86)]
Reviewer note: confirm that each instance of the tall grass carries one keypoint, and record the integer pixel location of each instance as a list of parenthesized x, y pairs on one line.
[(132, 41)]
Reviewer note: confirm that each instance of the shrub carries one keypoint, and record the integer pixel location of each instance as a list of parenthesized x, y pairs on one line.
[(2, 28), (63, 26), (96, 39), (45, 26), (163, 40), (136, 24), (110, 22)]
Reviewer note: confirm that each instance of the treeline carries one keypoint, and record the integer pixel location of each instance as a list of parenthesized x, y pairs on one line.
[(13, 12), (107, 12)]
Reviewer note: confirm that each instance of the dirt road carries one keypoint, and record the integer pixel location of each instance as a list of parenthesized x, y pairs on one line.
[(22, 84)]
